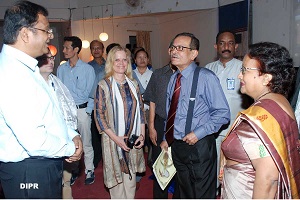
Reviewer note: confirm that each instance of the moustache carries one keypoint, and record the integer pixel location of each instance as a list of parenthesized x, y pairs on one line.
[(226, 51)]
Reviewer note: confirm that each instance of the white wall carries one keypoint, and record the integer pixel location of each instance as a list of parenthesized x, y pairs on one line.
[(203, 24), (272, 21), (278, 21), (117, 33)]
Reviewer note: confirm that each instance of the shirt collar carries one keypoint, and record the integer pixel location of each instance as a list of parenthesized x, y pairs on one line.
[(187, 71), (228, 63), (22, 57)]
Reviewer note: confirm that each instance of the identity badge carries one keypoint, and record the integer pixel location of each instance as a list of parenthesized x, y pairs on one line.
[(230, 84)]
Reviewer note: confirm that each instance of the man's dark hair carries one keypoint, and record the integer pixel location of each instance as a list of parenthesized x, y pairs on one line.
[(22, 14), (225, 31), (195, 44), (76, 42), (96, 41), (110, 46)]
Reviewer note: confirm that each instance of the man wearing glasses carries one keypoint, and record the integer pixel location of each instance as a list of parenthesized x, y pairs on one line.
[(227, 68), (193, 148), (34, 137)]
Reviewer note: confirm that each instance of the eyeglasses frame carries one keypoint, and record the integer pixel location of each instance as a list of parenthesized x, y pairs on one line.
[(173, 47), (244, 69)]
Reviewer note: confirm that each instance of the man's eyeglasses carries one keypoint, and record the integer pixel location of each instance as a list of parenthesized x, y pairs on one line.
[(49, 58), (49, 31), (178, 48), (243, 69), (97, 49)]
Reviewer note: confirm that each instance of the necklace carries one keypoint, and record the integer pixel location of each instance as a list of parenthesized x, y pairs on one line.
[(262, 96)]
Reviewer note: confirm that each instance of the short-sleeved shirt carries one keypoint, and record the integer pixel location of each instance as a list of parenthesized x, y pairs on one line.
[(156, 91)]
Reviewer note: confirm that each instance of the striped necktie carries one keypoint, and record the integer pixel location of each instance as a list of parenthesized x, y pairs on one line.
[(172, 111)]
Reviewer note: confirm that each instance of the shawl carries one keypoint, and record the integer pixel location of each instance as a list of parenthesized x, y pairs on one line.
[(268, 120), (105, 111), (65, 101)]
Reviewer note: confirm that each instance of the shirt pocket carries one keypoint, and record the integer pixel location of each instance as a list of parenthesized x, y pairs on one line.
[(80, 83)]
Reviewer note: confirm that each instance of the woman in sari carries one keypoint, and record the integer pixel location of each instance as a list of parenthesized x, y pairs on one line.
[(120, 118), (261, 155)]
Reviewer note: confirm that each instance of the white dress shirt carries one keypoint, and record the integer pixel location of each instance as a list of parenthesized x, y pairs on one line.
[(31, 123), (144, 80)]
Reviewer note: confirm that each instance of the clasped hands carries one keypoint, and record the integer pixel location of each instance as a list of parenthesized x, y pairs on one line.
[(120, 141)]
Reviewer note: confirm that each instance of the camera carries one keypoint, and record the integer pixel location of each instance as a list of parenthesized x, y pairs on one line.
[(131, 140)]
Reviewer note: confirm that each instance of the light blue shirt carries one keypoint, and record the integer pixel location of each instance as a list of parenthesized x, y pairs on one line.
[(79, 80), (31, 124), (211, 109), (98, 68), (100, 73)]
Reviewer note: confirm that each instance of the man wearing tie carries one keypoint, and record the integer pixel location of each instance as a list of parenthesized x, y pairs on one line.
[(193, 146)]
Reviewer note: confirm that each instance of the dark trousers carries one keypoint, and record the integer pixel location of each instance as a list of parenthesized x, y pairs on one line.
[(96, 142), (32, 179), (196, 167), (158, 193)]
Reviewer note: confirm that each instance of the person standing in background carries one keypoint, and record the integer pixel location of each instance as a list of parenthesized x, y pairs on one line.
[(142, 75), (193, 148), (156, 94), (133, 53), (79, 78), (67, 106), (34, 137), (227, 69), (98, 63)]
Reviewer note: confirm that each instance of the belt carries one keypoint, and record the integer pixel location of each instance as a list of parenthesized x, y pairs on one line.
[(43, 158), (84, 105)]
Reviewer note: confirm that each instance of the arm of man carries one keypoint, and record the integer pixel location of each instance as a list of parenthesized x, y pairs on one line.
[(90, 83), (152, 131), (217, 108)]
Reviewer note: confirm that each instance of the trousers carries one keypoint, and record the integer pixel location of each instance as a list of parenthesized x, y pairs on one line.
[(84, 127), (158, 193), (124, 190), (32, 179), (196, 167)]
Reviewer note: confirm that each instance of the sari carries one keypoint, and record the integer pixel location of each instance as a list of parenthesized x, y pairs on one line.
[(267, 122)]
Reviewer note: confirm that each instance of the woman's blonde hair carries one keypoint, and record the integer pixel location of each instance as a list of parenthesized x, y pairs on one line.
[(111, 58)]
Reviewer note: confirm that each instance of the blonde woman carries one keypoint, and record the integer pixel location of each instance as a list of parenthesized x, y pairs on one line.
[(121, 121)]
